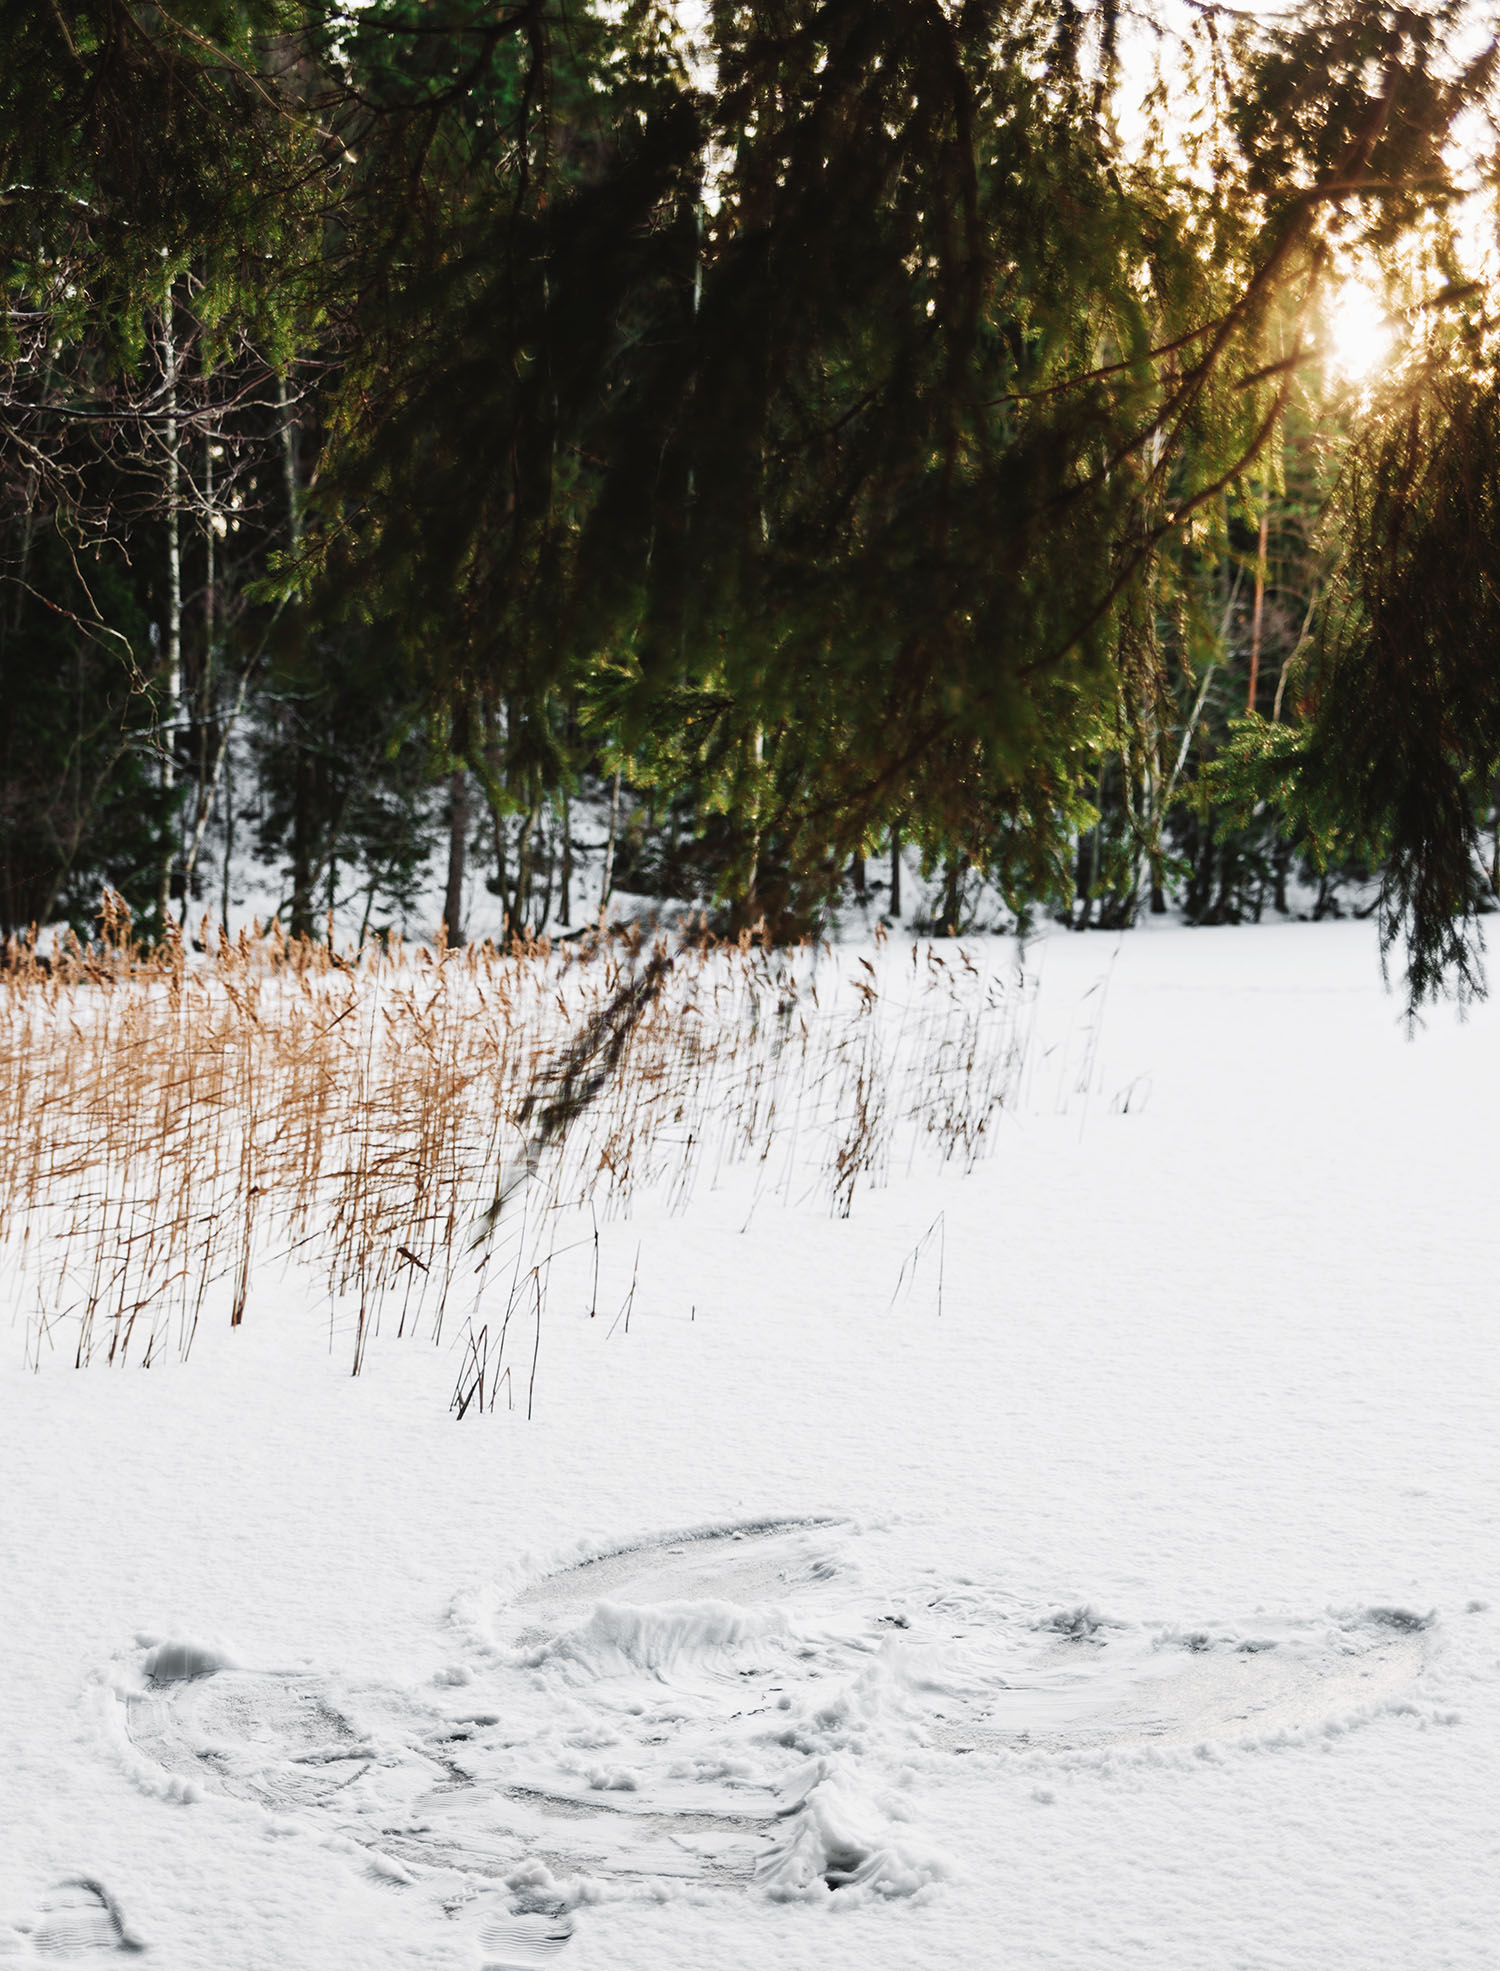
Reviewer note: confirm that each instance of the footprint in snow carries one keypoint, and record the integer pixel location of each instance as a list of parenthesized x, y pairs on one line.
[(80, 1918), (522, 1939), (272, 1738)]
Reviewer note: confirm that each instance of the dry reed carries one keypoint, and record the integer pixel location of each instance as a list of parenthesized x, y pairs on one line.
[(173, 1124)]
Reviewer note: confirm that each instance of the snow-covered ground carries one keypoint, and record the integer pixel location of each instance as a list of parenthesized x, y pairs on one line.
[(1088, 1561)]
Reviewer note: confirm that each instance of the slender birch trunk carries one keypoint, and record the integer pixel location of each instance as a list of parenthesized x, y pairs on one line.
[(303, 780), (171, 706), (207, 770)]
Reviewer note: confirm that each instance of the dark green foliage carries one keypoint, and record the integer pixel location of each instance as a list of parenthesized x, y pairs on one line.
[(133, 144), (1399, 757), (839, 432), (80, 797), (799, 472), (345, 767)]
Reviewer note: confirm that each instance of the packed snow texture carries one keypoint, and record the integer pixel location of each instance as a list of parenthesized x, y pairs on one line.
[(1082, 1561)]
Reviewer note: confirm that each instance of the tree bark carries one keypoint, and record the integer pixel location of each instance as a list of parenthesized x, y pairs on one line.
[(953, 893), (566, 901), (1092, 883), (543, 916), (207, 682), (173, 697), (1260, 599), (749, 912), (1282, 864), (227, 758), (458, 829), (304, 790), (522, 899), (498, 822), (304, 786), (608, 882)]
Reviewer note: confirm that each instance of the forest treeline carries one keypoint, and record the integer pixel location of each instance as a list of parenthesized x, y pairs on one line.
[(786, 431)]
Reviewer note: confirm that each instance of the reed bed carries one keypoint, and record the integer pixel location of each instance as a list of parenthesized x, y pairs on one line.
[(408, 1130)]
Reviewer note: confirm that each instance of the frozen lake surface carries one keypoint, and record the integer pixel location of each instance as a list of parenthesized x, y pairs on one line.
[(1086, 1561)]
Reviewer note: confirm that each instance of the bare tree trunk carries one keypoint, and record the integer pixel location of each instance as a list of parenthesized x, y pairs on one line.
[(1126, 906), (1092, 883), (609, 847), (522, 901), (1260, 598), (207, 683), (9, 919), (222, 761), (304, 784), (896, 870), (227, 756), (1290, 663), (364, 923), (289, 464), (566, 903), (172, 702), (458, 829), (304, 789), (748, 911), (207, 770), (953, 893), (544, 915), (500, 871)]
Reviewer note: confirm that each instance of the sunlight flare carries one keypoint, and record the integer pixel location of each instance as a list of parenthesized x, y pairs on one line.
[(1360, 334)]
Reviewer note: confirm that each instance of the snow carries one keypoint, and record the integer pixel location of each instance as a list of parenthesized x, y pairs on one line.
[(1084, 1561)]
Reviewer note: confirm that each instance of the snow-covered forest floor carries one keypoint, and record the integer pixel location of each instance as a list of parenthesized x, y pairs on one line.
[(1011, 1482)]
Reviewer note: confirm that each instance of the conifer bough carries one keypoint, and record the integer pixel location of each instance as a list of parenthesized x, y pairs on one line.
[(837, 424)]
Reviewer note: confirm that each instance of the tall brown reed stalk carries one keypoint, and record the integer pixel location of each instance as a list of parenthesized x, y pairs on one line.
[(402, 1127)]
